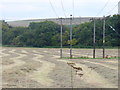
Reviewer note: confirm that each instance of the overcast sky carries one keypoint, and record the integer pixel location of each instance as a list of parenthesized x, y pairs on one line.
[(29, 9)]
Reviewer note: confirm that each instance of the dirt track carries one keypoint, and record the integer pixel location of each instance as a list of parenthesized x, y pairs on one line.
[(42, 68)]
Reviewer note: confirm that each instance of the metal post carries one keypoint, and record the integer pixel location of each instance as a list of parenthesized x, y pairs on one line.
[(94, 40), (61, 38), (71, 36), (104, 38)]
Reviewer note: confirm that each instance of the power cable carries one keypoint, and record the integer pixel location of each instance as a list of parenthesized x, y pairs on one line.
[(114, 30), (111, 10), (53, 8), (103, 8), (63, 9)]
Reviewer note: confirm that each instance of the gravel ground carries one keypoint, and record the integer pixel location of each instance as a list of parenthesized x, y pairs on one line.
[(42, 68)]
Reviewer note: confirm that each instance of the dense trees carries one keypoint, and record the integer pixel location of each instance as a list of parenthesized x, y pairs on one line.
[(84, 32), (42, 34)]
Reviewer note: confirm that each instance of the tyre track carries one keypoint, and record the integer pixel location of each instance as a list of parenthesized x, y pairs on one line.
[(41, 75), (98, 63), (92, 77), (111, 61), (4, 54), (104, 65), (17, 60)]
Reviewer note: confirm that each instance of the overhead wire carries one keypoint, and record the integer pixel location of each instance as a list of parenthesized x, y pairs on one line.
[(114, 30), (110, 25), (111, 10), (53, 8), (63, 9), (103, 8)]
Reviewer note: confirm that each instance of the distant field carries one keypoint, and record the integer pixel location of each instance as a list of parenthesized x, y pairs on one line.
[(43, 68)]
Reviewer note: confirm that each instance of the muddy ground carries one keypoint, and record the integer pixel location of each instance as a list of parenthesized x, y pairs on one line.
[(42, 68)]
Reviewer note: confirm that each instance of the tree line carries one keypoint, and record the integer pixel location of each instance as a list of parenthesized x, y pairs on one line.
[(47, 34)]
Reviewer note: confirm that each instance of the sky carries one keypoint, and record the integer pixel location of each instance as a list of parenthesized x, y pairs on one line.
[(41, 9)]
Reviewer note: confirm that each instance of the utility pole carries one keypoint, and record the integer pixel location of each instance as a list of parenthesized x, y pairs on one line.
[(94, 39), (61, 38), (104, 37), (70, 36)]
